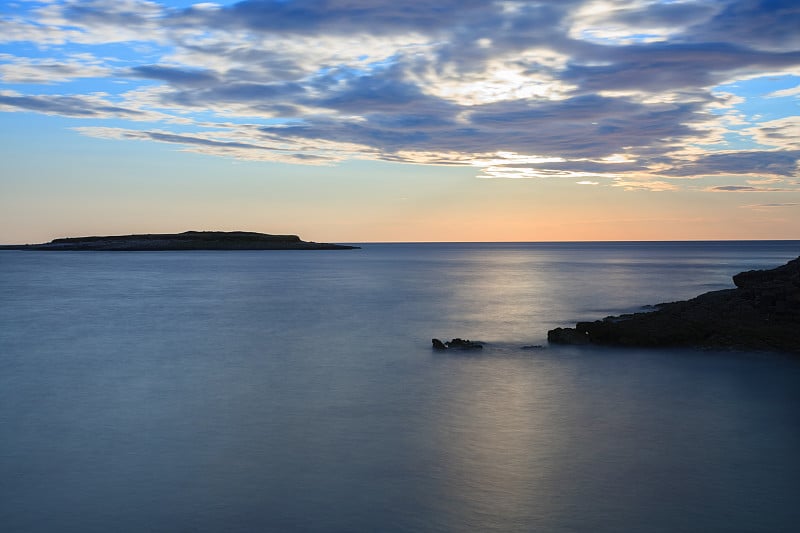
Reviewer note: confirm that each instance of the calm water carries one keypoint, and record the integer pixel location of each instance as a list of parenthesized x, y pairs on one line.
[(297, 391)]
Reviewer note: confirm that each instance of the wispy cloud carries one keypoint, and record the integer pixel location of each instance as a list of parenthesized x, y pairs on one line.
[(644, 184), (83, 106), (577, 89), (23, 70), (749, 188), (770, 206), (794, 91)]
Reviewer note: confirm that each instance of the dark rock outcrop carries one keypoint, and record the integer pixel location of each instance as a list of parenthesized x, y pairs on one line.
[(761, 313), (189, 240), (438, 345), (456, 344)]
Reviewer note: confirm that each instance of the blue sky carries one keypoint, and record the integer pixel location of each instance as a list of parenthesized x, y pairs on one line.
[(370, 120)]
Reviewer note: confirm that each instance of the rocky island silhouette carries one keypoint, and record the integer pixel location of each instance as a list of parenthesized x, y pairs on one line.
[(188, 240)]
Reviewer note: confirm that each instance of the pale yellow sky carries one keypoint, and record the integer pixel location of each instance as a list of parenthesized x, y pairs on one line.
[(366, 202)]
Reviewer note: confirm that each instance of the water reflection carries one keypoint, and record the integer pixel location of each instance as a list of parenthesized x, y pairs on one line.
[(499, 433)]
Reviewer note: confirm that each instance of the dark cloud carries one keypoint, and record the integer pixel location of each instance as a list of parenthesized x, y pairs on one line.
[(192, 140), (762, 24), (70, 106), (339, 16), (381, 101), (595, 167), (734, 188), (779, 134), (257, 64), (776, 163), (109, 13), (382, 139), (219, 147), (272, 96), (585, 126), (173, 75), (658, 14), (382, 91), (747, 188), (410, 120), (667, 66), (252, 92)]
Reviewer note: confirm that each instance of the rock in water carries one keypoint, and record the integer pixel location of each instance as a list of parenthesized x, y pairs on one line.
[(457, 344), (464, 344), (567, 336), (761, 313), (438, 345)]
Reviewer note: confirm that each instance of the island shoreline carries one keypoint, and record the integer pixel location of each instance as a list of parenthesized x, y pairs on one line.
[(188, 240)]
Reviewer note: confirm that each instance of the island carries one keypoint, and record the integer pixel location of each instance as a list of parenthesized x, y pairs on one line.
[(761, 313), (188, 240)]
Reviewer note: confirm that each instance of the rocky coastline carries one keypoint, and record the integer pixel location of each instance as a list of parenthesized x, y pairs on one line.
[(188, 240), (761, 313)]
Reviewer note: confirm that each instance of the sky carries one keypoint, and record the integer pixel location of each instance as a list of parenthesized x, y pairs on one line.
[(378, 121)]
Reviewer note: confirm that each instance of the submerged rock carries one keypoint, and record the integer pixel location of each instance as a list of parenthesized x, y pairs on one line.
[(457, 344), (761, 313)]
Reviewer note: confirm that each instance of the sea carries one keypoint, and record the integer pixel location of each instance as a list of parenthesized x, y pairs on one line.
[(297, 391)]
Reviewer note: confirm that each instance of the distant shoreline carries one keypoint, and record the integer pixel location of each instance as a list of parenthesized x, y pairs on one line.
[(359, 244), (188, 240)]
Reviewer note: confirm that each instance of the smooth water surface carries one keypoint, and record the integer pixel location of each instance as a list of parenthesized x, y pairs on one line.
[(297, 391)]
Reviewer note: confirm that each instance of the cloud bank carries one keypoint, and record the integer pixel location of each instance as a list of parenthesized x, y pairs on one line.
[(619, 93)]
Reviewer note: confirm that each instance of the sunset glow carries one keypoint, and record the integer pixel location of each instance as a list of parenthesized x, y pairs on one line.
[(412, 121)]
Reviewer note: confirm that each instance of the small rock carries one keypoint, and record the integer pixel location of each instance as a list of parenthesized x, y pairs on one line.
[(464, 344), (438, 345), (456, 344), (567, 336)]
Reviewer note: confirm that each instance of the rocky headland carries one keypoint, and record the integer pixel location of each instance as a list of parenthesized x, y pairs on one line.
[(189, 240), (761, 313)]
